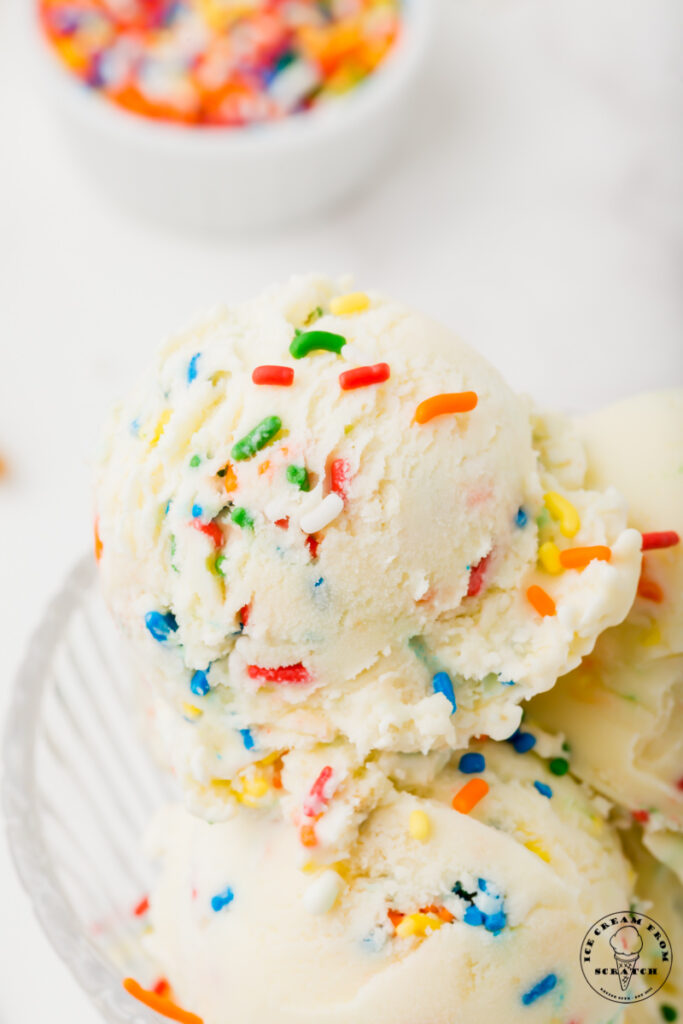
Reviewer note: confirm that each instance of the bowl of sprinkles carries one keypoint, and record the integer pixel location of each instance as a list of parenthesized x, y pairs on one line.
[(230, 114)]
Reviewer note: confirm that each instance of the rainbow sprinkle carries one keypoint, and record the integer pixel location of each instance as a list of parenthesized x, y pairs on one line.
[(545, 985), (257, 438), (306, 342), (222, 899), (209, 64)]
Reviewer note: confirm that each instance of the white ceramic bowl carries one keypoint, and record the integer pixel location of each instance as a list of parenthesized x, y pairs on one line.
[(78, 790), (245, 178)]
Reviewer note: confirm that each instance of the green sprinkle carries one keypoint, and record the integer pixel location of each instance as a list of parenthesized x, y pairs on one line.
[(566, 747), (195, 460), (559, 766), (314, 315), (256, 439), (219, 564), (299, 475), (313, 341), (242, 518), (543, 519), (173, 565), (668, 1012)]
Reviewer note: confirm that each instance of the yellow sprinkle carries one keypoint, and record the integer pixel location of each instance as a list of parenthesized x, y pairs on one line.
[(549, 557), (354, 302), (191, 711), (652, 636), (270, 758), (312, 867), (539, 849), (419, 825), (255, 786), (418, 924), (151, 433), (561, 508)]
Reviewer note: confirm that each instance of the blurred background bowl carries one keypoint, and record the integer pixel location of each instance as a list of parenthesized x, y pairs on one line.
[(218, 179)]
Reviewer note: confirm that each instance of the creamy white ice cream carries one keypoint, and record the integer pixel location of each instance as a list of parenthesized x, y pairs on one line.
[(313, 563)]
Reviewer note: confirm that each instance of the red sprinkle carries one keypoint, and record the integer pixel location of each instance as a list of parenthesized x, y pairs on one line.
[(244, 613), (476, 581), (660, 539), (281, 376), (650, 591), (282, 523), (395, 916), (316, 799), (162, 987), (340, 473), (361, 376), (142, 907), (211, 530), (312, 543), (284, 674), (679, 784), (642, 816)]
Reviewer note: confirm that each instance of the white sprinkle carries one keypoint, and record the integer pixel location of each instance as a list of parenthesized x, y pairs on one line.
[(322, 894), (321, 516)]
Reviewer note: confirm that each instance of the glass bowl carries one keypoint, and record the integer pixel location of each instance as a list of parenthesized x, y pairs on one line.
[(78, 790)]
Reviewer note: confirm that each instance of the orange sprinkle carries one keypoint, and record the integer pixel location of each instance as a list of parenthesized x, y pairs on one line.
[(540, 601), (469, 796), (161, 1004), (650, 591), (578, 558), (440, 912), (98, 540), (229, 478), (395, 916), (264, 467), (307, 836), (440, 405)]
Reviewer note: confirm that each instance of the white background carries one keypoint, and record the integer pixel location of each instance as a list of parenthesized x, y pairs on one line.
[(535, 206)]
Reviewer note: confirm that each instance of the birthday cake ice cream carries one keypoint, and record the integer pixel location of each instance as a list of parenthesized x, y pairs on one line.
[(324, 520), (621, 711), (456, 904)]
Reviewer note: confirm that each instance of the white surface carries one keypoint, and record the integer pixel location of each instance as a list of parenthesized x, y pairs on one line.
[(536, 208)]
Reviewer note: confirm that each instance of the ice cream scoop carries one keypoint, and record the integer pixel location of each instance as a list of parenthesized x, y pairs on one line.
[(322, 519), (435, 915), (621, 711)]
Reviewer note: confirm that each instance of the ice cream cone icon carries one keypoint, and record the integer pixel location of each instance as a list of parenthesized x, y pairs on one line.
[(626, 945)]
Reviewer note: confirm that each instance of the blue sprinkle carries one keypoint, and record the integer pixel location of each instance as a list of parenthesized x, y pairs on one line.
[(522, 741), (200, 684), (168, 505), (473, 916), (222, 899), (441, 683), (319, 582), (495, 922), (197, 511), (481, 882), (521, 517), (192, 367), (507, 682), (546, 984), (247, 739), (469, 764), (135, 426), (543, 789), (161, 624)]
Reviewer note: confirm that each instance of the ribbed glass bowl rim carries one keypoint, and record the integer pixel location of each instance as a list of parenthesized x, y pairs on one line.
[(98, 978)]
